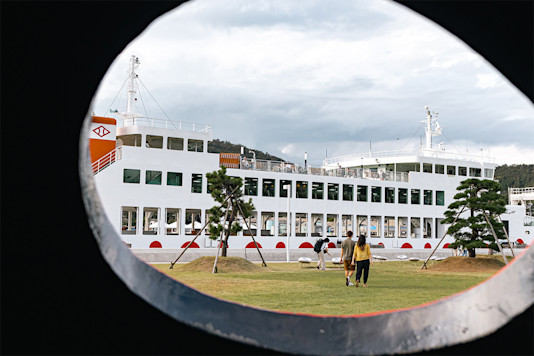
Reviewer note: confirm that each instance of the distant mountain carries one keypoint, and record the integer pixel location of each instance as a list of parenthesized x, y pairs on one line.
[(218, 146), (515, 176)]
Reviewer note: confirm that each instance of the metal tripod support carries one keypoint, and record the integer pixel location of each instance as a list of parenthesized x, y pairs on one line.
[(507, 237), (495, 236), (198, 234), (253, 239), (440, 241)]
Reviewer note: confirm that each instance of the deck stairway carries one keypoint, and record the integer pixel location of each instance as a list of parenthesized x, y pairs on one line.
[(107, 160)]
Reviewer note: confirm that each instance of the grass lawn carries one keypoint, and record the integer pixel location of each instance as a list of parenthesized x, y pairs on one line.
[(289, 287)]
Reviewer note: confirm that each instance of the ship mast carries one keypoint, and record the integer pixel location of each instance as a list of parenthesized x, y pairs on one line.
[(432, 127), (130, 106)]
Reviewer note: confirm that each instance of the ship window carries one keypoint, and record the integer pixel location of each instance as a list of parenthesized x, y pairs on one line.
[(251, 186), (268, 188), (153, 177), (301, 224), (403, 196), (195, 145), (172, 221), (175, 143), (333, 191), (284, 188), (129, 220), (376, 194), (192, 221), (389, 226), (462, 171), (282, 224), (209, 242), (348, 192), (440, 197), (332, 225), (131, 176), (415, 228), (427, 197), (375, 226), (346, 224), (408, 167), (488, 173), (196, 183), (130, 140), (416, 196), (174, 178), (475, 172), (427, 228), (252, 224), (317, 190), (362, 225), (154, 141), (440, 168), (390, 195), (267, 223), (150, 221), (451, 170), (302, 190), (361, 193), (403, 227), (427, 167), (317, 225)]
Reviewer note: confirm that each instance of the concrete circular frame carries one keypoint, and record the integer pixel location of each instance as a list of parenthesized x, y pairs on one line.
[(457, 319)]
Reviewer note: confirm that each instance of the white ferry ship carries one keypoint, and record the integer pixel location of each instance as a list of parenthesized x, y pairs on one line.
[(151, 178)]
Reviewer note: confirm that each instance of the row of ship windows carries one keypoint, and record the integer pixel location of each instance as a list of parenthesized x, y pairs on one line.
[(304, 224), (151, 141), (301, 191)]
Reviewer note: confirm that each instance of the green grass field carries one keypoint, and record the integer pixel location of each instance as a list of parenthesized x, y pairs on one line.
[(289, 287)]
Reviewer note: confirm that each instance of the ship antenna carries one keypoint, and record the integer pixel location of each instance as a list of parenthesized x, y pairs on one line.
[(429, 131)]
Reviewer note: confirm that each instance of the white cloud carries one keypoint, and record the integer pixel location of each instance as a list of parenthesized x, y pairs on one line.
[(334, 75), (491, 80)]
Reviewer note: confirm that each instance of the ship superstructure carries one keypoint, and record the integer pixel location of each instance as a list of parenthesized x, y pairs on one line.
[(154, 189)]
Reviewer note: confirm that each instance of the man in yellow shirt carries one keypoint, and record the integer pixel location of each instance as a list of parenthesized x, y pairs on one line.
[(362, 256)]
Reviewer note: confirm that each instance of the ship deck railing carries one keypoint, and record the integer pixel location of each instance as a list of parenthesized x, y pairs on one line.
[(284, 167), (164, 124), (433, 153)]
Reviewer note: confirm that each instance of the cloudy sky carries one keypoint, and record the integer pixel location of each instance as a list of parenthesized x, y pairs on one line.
[(322, 77)]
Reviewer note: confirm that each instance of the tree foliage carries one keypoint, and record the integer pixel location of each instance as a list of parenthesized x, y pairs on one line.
[(515, 176), (225, 218), (476, 200)]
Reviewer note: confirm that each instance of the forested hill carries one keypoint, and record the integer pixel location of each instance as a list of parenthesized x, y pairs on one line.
[(218, 146), (515, 176)]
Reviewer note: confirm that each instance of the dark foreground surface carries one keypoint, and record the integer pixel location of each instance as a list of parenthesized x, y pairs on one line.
[(59, 296)]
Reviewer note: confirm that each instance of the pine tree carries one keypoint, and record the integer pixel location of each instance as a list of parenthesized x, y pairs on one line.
[(480, 199), (225, 218)]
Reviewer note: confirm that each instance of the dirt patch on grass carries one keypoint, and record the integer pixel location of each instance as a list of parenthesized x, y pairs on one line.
[(224, 264), (468, 264)]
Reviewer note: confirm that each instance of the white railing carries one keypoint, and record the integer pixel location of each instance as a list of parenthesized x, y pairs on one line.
[(107, 160), (283, 167), (165, 124), (421, 152), (521, 190)]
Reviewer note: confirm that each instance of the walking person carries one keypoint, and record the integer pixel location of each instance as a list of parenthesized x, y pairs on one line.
[(347, 250), (321, 247), (362, 256)]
